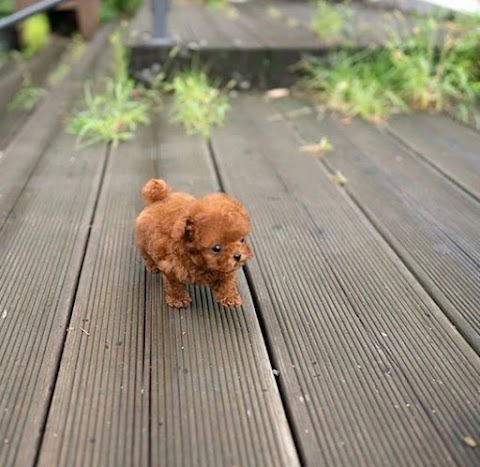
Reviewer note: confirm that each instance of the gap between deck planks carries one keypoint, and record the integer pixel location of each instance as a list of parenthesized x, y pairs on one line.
[(372, 371), (149, 384)]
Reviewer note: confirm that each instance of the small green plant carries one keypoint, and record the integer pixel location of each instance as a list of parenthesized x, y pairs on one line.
[(114, 114), (120, 57), (330, 21), (74, 53), (355, 84), (58, 74), (112, 9), (35, 34), (273, 12), (432, 68), (438, 64), (27, 97), (78, 48), (197, 104), (216, 4)]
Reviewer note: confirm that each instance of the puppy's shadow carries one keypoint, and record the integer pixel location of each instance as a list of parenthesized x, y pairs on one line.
[(204, 318)]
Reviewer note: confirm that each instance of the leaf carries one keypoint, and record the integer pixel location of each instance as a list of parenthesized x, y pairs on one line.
[(277, 93), (339, 178), (469, 441), (319, 149)]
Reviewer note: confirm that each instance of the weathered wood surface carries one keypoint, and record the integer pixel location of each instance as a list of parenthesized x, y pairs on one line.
[(27, 146), (450, 147), (258, 44), (431, 223), (372, 371), (272, 24), (362, 298), (191, 387)]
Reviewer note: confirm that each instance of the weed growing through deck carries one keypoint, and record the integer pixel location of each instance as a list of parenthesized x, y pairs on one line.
[(273, 12), (112, 9), (330, 21), (318, 149), (114, 114), (216, 4), (27, 96), (197, 104), (434, 68), (75, 52)]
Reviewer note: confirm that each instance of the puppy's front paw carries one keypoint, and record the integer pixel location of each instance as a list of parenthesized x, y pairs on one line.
[(231, 301), (178, 302)]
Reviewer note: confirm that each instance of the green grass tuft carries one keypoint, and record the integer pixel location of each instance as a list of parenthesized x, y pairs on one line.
[(197, 104), (216, 4), (330, 21), (113, 114), (27, 97), (434, 68)]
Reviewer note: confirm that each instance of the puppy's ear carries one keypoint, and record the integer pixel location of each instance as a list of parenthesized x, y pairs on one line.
[(184, 229)]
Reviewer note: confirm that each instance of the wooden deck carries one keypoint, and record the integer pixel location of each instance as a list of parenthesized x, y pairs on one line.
[(359, 341), (257, 43)]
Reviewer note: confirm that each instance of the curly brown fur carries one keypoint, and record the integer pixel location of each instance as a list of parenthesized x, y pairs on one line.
[(179, 236)]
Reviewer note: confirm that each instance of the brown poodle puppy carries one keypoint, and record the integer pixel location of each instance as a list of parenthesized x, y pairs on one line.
[(193, 241)]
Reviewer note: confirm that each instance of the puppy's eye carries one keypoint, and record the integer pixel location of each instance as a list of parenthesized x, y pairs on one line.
[(217, 248), (242, 239)]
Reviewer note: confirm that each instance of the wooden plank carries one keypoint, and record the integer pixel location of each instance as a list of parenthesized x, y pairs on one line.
[(41, 252), (432, 224), (100, 408), (371, 370), (203, 32), (450, 147), (25, 150), (272, 32), (242, 422), (253, 25), (231, 31), (179, 25), (190, 387)]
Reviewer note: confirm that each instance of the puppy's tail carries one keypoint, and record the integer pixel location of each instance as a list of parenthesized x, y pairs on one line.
[(155, 190)]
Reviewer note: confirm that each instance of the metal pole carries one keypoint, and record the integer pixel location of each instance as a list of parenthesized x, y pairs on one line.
[(160, 10), (25, 13)]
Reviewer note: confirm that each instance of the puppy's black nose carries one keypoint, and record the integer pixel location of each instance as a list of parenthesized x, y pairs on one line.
[(237, 257)]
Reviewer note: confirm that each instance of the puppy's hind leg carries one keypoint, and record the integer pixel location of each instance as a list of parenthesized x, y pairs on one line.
[(149, 263), (176, 293)]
